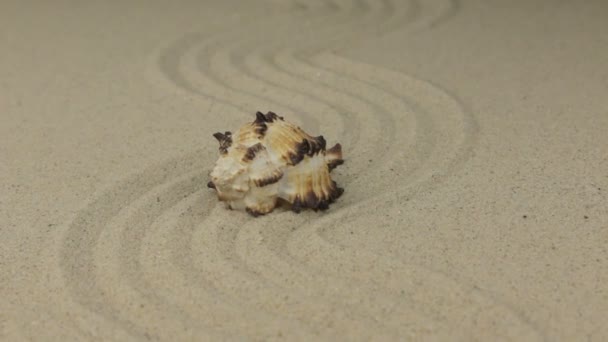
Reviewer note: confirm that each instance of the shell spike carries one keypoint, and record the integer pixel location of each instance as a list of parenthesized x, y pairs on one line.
[(335, 151), (334, 157), (271, 116), (225, 141), (268, 117), (259, 118)]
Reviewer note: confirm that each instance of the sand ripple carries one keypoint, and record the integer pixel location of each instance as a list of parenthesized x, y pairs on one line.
[(156, 256)]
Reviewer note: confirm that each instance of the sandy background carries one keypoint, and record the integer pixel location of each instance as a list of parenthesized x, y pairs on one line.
[(476, 174)]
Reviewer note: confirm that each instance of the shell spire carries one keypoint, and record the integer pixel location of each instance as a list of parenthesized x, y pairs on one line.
[(271, 161)]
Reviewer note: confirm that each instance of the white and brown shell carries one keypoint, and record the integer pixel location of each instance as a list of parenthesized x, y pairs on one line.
[(269, 162)]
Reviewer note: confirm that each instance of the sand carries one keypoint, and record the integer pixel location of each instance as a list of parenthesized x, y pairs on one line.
[(476, 174)]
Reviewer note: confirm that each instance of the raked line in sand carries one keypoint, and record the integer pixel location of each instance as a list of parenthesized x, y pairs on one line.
[(157, 256)]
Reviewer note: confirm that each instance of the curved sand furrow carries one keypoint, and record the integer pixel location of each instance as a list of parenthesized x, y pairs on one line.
[(360, 107), (296, 107), (362, 102), (316, 249), (154, 270), (78, 254), (202, 77), (265, 73), (423, 15), (301, 6), (271, 261), (119, 277), (245, 246), (363, 93), (347, 115), (451, 129), (188, 246), (394, 313), (217, 260), (118, 272), (280, 281), (294, 294), (333, 38), (463, 144), (235, 78), (120, 281), (181, 63), (391, 125), (377, 307), (276, 80), (169, 63), (474, 220), (441, 119), (166, 259), (461, 310), (220, 59)]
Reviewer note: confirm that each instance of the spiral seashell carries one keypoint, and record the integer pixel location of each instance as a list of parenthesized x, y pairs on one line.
[(269, 162)]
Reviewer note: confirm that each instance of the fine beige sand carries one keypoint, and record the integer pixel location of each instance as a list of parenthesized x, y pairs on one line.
[(475, 135)]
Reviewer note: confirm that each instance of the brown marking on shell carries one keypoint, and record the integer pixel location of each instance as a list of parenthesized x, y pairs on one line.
[(294, 158), (253, 212), (260, 130), (252, 152), (313, 201), (273, 178), (225, 141), (261, 120), (317, 145), (259, 124), (334, 163), (259, 117), (307, 147)]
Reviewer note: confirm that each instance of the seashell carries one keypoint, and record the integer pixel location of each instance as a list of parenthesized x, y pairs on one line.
[(269, 162)]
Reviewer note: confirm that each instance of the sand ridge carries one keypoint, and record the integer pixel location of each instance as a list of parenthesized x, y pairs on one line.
[(153, 255), (232, 268)]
